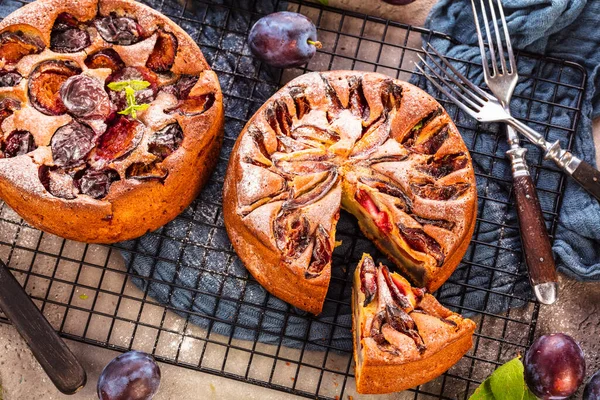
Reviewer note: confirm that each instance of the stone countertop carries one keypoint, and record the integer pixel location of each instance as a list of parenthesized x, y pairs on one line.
[(577, 312)]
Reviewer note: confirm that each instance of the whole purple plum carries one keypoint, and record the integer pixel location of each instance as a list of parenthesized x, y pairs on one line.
[(130, 376), (284, 39), (554, 366)]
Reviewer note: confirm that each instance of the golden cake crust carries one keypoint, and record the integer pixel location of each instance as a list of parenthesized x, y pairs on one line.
[(132, 207), (349, 134), (393, 361)]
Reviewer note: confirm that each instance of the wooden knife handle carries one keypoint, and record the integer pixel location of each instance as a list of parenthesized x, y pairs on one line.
[(589, 178), (534, 235), (48, 348)]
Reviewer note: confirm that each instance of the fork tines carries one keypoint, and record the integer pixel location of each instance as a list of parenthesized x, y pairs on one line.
[(495, 45), (472, 98)]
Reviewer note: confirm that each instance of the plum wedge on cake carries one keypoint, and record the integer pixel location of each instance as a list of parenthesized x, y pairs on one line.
[(379, 148), (402, 336)]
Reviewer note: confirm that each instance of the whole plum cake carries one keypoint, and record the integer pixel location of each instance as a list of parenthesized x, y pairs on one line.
[(111, 118), (380, 148)]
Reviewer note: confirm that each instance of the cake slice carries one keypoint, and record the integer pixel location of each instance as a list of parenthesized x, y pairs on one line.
[(403, 336)]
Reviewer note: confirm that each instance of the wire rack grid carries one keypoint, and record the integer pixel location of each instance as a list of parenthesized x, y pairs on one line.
[(89, 294)]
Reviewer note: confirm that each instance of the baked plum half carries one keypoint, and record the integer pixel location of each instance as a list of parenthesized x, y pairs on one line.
[(19, 41), (106, 58), (68, 35), (120, 30), (45, 83)]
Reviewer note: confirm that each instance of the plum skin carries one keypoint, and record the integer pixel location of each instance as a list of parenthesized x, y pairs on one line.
[(284, 39), (554, 366), (592, 389), (131, 376)]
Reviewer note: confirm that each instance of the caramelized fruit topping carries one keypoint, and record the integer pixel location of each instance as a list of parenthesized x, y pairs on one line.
[(313, 194), (146, 171), (107, 58), (9, 79), (368, 279), (166, 141), (18, 44), (315, 135), (389, 188), (18, 143), (84, 97), (380, 218), (45, 82), (291, 231), (7, 107), (442, 166), (440, 223), (68, 35), (417, 239), (279, 118), (301, 101), (439, 192), (432, 144), (398, 292), (119, 139), (321, 254), (71, 143), (394, 302), (193, 105), (410, 137), (95, 183), (58, 182), (119, 30), (163, 55), (391, 96), (358, 103)]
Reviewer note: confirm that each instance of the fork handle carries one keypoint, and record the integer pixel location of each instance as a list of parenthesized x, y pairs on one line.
[(534, 235), (589, 178), (584, 173)]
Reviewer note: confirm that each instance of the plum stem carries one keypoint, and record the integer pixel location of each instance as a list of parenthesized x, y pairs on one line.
[(315, 43)]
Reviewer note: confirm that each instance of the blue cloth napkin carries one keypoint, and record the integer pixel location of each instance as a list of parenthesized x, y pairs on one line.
[(189, 264), (565, 29)]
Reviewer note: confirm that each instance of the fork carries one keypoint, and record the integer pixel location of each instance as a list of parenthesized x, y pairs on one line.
[(502, 82), (486, 108)]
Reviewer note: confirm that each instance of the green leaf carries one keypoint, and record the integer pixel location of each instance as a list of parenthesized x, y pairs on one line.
[(138, 85), (130, 87), (506, 383), (134, 84), (483, 392), (141, 107), (324, 2), (118, 86)]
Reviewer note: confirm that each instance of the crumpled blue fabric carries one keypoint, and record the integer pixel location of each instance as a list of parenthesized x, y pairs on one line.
[(567, 29)]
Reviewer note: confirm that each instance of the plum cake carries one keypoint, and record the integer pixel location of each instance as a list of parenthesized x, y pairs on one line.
[(111, 119), (402, 336), (382, 149)]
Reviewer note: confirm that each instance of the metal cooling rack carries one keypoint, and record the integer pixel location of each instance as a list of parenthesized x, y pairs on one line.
[(88, 292)]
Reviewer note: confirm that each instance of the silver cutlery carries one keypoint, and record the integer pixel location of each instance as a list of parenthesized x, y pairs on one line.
[(502, 80), (486, 108)]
